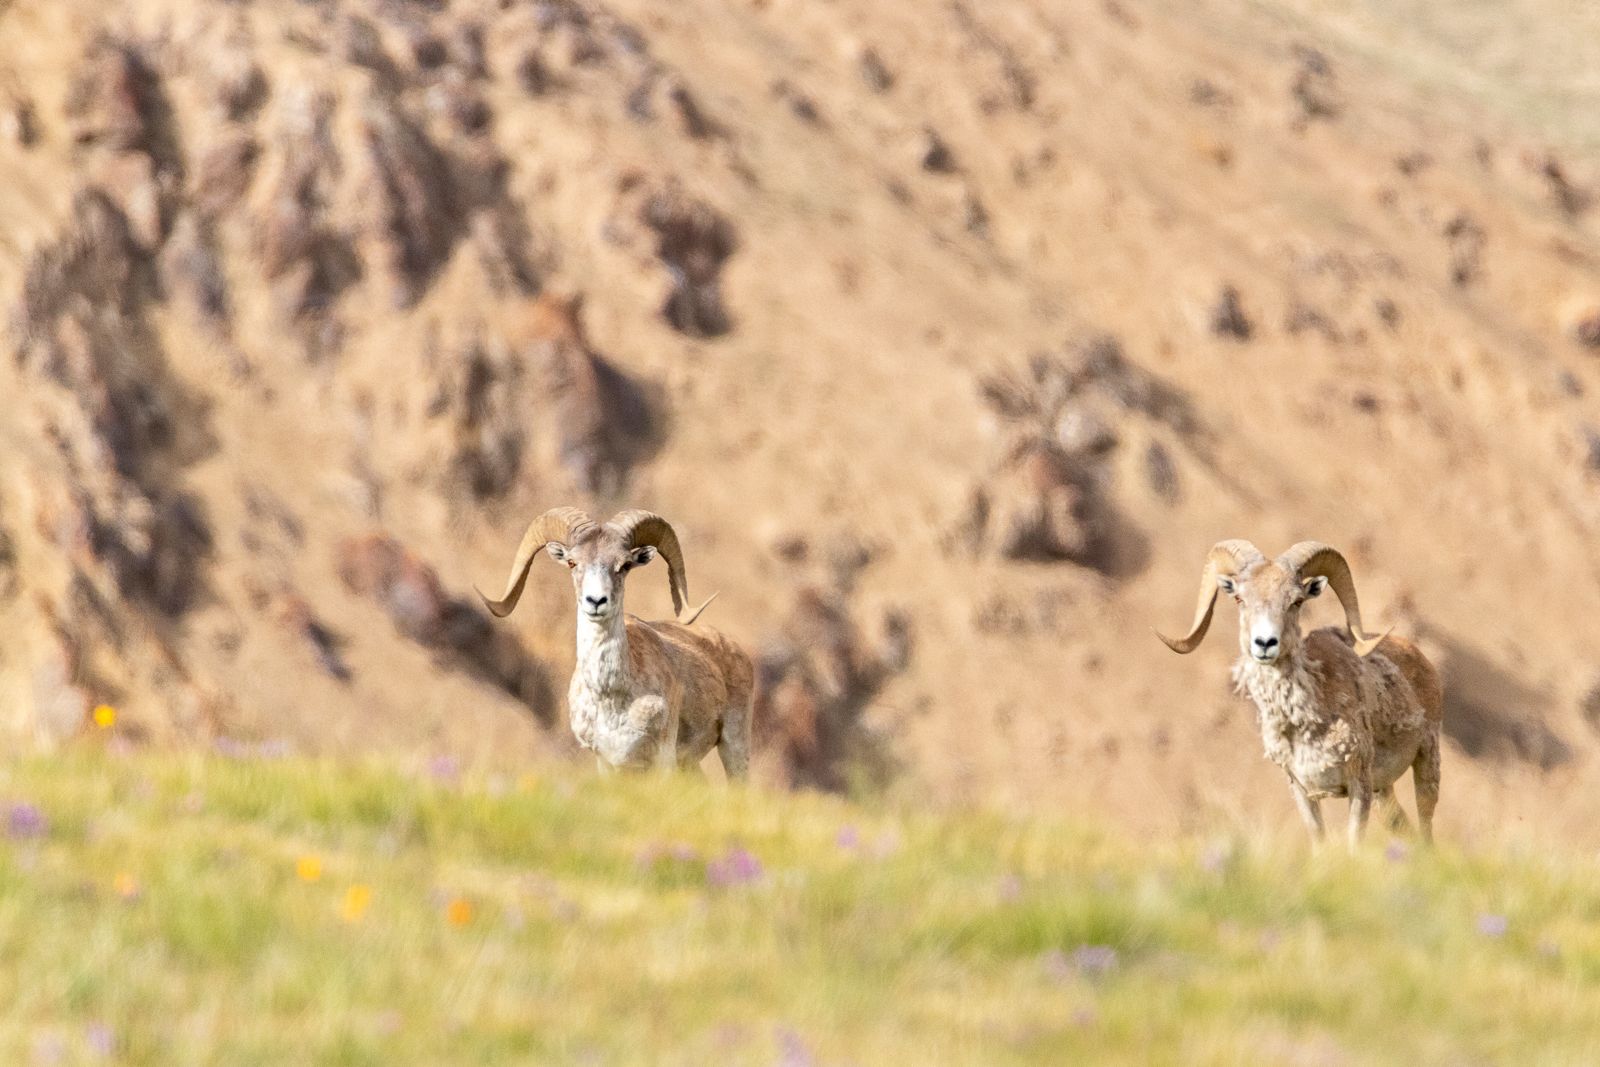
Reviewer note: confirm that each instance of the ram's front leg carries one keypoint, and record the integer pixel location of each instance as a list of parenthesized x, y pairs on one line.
[(1310, 811)]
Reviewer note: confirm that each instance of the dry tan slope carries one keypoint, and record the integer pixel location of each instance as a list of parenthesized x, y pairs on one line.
[(1133, 231), (845, 399)]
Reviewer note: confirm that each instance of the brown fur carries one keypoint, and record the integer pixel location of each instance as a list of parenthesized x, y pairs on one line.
[(649, 694), (700, 675), (1339, 723)]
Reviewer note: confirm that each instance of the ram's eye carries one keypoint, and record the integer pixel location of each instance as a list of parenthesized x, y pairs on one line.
[(571, 563)]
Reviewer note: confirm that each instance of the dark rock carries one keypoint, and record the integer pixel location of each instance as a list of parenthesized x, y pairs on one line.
[(19, 122), (815, 679), (414, 197), (1466, 239), (1228, 318), (800, 105), (379, 567), (603, 420), (1161, 473), (326, 646), (874, 71), (935, 155), (1589, 707), (1587, 330), (1314, 88), (532, 73), (693, 242), (225, 172)]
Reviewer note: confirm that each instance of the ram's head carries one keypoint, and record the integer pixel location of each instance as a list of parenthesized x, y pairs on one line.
[(1270, 593), (599, 555)]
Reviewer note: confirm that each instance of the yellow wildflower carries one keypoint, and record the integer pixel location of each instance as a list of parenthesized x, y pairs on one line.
[(356, 900), (308, 868)]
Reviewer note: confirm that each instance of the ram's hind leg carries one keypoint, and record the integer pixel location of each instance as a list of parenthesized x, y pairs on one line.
[(1425, 778), (1393, 813), (1360, 808), (733, 742)]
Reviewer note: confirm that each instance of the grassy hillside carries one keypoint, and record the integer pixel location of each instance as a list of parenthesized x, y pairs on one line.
[(246, 909)]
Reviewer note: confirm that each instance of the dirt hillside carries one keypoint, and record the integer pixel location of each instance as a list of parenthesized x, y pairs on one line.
[(949, 337)]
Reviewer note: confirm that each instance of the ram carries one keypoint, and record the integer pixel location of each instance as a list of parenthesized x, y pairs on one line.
[(1344, 715), (643, 694)]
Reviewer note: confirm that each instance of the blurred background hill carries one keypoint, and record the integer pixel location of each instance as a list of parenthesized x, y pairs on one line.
[(949, 336)]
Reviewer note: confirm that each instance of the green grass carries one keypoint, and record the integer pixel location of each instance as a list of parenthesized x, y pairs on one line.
[(160, 917)]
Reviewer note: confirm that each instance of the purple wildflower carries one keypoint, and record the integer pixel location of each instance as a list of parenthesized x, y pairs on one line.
[(100, 1039), (1397, 852), (1491, 925), (1090, 961), (737, 866), (792, 1050), (849, 839), (1093, 961), (444, 768), (25, 820), (1010, 888)]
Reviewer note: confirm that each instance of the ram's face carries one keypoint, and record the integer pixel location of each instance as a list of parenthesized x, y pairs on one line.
[(599, 565), (1269, 600)]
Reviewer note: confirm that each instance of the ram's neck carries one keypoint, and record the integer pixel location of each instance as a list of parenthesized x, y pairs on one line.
[(1285, 691), (602, 666)]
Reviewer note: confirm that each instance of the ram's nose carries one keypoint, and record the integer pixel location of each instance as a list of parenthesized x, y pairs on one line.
[(1265, 649)]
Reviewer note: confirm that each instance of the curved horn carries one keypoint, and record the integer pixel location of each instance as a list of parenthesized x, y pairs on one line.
[(1310, 559), (557, 524), (1225, 558), (639, 528)]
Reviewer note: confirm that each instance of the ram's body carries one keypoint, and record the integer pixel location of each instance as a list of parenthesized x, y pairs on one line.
[(643, 694), (649, 694), (1332, 719), (1344, 715)]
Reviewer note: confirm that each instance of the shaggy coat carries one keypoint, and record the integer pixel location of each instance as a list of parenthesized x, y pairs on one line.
[(643, 694), (1343, 714)]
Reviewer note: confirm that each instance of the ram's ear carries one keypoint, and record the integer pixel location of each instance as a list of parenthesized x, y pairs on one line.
[(1314, 585), (558, 551), (1225, 583), (642, 555)]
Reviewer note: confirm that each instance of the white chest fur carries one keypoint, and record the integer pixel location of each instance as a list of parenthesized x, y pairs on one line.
[(622, 727), (1297, 733), (599, 691)]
